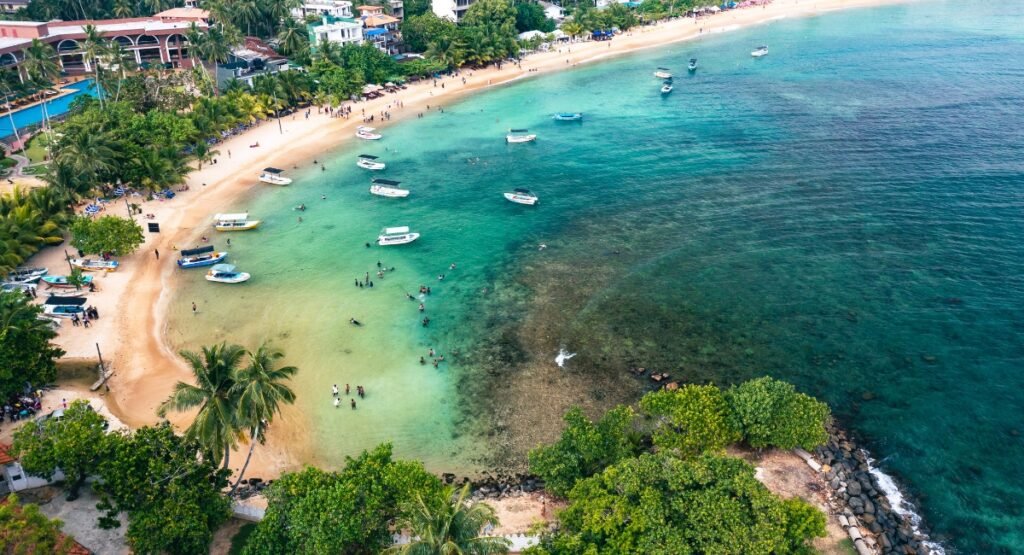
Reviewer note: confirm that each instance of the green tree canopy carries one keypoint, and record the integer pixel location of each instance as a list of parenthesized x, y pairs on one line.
[(448, 523), (691, 420), (73, 443), (489, 31), (314, 511), (26, 354), (106, 234), (584, 449), (172, 497), (24, 529), (530, 17), (419, 30), (771, 413), (660, 505)]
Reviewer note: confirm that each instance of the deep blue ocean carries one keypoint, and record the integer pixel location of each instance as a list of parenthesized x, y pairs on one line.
[(846, 213)]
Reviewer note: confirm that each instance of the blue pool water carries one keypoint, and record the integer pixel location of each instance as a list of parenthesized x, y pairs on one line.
[(56, 107), (846, 213)]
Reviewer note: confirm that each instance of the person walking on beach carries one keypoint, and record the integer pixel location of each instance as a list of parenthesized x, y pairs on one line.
[(346, 389), (194, 307), (157, 252), (353, 404), (334, 390), (337, 402)]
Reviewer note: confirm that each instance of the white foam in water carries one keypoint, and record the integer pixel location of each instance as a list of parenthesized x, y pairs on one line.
[(900, 505), (563, 356)]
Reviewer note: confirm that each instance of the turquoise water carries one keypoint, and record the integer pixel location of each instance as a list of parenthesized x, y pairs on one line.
[(57, 107), (846, 213)]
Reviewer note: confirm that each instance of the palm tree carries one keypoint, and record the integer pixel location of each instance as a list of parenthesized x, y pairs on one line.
[(89, 154), (572, 28), (124, 61), (246, 14), (203, 153), (93, 47), (292, 37), (217, 424), (449, 50), (216, 46), (39, 64), (19, 316), (261, 391), (447, 525), (123, 8)]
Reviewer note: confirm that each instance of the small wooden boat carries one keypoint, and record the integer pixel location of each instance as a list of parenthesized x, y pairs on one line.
[(760, 52), (234, 222), (16, 287), (62, 281), (568, 116), (225, 273), (693, 65), (274, 176), (388, 188), (200, 257), (663, 73), (666, 87), (519, 136), (94, 265), (522, 196), (367, 133), (396, 236), (368, 162), (25, 275)]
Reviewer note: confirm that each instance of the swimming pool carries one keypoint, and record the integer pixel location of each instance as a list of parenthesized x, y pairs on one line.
[(56, 107)]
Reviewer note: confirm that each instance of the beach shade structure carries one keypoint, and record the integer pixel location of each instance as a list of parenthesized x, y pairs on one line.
[(371, 88), (92, 209), (119, 192)]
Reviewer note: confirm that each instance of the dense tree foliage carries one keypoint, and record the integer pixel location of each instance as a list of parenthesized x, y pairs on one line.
[(28, 221), (420, 30), (659, 504), (26, 355), (172, 498), (314, 511), (530, 17), (73, 444), (25, 529), (584, 449), (106, 234), (45, 10), (691, 420), (448, 523), (771, 413)]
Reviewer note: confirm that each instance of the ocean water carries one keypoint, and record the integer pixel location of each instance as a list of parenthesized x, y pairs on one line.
[(846, 213)]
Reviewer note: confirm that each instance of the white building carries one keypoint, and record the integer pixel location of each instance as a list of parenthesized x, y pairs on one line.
[(450, 9), (14, 478), (335, 29), (333, 8)]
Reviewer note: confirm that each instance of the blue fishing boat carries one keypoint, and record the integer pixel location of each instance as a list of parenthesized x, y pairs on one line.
[(203, 256), (62, 281), (568, 116)]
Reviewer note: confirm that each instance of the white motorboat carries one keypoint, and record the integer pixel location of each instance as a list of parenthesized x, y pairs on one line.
[(25, 275), (63, 306), (199, 257), (16, 287), (225, 273), (388, 188), (368, 162), (666, 87), (367, 133), (568, 116), (274, 176), (693, 65), (522, 196), (760, 51), (663, 73), (234, 222), (94, 265), (396, 236), (519, 136)]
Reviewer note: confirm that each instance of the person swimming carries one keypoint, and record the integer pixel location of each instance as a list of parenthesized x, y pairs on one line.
[(354, 322)]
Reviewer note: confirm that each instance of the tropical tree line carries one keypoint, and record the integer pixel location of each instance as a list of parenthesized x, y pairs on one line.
[(46, 10), (26, 354), (660, 481)]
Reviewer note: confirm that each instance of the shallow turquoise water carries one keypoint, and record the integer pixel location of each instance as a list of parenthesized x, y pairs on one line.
[(845, 213)]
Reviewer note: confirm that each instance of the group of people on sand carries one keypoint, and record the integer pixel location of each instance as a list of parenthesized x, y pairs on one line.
[(336, 394), (90, 313)]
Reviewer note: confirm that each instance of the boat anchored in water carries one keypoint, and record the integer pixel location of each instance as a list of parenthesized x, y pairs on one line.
[(234, 222), (367, 133), (274, 176), (663, 73), (760, 51), (388, 188), (568, 116), (368, 162), (666, 87), (202, 256), (94, 265), (225, 273), (396, 236), (519, 136), (522, 196), (693, 65)]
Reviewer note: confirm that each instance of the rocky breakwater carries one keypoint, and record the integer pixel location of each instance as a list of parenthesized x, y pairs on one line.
[(498, 486), (863, 502)]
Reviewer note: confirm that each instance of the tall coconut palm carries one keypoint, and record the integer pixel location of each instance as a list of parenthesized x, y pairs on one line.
[(448, 525), (216, 46), (293, 37), (39, 64), (216, 426), (123, 8), (123, 61), (203, 153), (89, 154), (94, 46), (261, 392)]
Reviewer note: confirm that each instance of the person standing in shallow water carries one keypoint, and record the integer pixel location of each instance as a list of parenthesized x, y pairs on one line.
[(353, 403)]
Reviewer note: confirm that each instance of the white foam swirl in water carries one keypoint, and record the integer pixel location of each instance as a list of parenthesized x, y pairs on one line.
[(900, 505), (563, 356)]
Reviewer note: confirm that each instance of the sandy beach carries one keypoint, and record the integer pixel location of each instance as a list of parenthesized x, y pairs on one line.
[(133, 301)]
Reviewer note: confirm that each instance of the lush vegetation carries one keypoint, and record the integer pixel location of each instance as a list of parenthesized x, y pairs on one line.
[(28, 222), (25, 529), (106, 235), (26, 354), (448, 523), (660, 482)]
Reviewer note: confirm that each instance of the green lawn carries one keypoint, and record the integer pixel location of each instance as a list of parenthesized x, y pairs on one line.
[(36, 152)]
